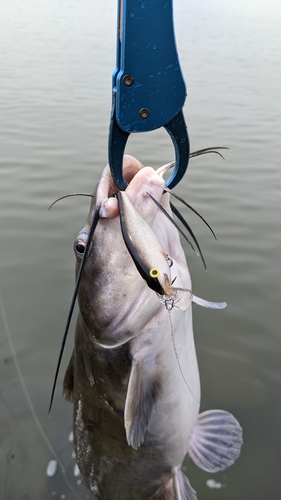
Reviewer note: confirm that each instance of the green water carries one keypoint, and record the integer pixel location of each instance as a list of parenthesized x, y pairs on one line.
[(56, 62)]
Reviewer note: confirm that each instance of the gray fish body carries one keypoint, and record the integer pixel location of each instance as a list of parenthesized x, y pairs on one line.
[(110, 467), (136, 393)]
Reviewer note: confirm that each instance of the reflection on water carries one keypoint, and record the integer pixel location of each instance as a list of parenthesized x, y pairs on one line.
[(55, 97)]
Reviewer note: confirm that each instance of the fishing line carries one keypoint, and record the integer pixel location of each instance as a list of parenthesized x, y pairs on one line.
[(169, 311), (28, 398)]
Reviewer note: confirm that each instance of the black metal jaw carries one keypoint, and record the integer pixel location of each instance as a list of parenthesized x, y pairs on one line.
[(177, 130)]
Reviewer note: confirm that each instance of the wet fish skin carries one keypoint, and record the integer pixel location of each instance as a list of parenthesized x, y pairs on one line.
[(134, 414)]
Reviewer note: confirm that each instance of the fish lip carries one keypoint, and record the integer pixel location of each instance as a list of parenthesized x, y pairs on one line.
[(107, 187), (106, 190)]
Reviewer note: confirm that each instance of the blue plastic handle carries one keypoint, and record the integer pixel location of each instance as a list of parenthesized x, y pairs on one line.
[(150, 89)]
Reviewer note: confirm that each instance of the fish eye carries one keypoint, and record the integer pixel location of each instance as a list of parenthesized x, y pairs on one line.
[(80, 244), (80, 248)]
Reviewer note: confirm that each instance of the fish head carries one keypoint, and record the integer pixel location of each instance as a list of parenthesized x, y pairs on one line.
[(114, 300)]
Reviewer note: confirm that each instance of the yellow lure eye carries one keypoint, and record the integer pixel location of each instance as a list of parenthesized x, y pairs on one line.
[(154, 273)]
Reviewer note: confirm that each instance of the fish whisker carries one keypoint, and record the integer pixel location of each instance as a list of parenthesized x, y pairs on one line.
[(68, 196), (199, 152), (160, 171), (208, 150), (190, 207), (172, 221), (187, 226), (94, 223)]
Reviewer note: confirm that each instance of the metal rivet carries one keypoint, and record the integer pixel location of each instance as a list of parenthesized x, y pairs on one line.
[(144, 113), (128, 80)]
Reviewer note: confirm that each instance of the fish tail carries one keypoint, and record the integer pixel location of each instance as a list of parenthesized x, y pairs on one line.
[(183, 489)]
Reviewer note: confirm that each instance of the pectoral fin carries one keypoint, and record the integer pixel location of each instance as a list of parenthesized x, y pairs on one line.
[(216, 440), (207, 303), (143, 389)]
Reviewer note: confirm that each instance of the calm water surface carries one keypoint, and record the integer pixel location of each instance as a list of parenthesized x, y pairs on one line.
[(56, 62)]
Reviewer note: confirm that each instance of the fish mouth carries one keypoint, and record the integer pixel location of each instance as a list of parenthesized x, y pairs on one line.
[(148, 194), (107, 187)]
